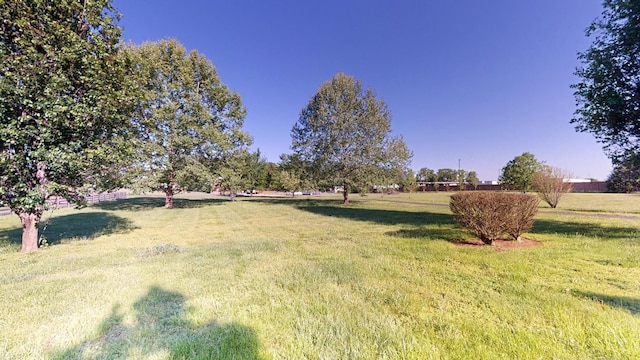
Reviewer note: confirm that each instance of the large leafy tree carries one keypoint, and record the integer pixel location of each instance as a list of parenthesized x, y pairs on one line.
[(344, 134), (186, 121), (64, 98), (608, 94), (518, 173)]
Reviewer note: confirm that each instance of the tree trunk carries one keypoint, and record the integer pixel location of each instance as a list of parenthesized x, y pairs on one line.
[(345, 194), (168, 200), (30, 224)]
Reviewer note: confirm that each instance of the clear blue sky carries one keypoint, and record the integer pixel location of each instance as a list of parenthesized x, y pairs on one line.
[(480, 81)]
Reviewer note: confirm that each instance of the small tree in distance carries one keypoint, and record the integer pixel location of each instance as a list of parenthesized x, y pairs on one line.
[(518, 173), (551, 185), (472, 178)]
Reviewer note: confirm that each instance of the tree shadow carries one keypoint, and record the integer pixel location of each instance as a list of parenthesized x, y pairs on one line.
[(380, 216), (82, 225), (160, 326), (440, 226), (545, 226), (147, 203), (628, 303)]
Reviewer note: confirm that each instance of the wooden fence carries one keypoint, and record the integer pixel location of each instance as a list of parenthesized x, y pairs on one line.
[(60, 202)]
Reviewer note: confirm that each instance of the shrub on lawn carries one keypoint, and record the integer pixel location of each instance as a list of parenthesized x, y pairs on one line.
[(519, 211), (491, 215)]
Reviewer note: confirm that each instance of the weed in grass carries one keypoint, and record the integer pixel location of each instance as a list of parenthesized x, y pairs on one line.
[(159, 249)]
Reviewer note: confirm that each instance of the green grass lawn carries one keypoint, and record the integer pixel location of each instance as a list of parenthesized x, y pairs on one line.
[(310, 278)]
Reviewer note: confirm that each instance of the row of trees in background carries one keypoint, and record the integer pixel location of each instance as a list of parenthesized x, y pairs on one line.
[(447, 175), (82, 111)]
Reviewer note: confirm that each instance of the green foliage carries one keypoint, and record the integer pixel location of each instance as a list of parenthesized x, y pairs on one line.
[(230, 169), (294, 173), (447, 175), (255, 172), (518, 173), (409, 182), (426, 174), (624, 178), (472, 178), (490, 214), (608, 96), (344, 135), (66, 97), (187, 122)]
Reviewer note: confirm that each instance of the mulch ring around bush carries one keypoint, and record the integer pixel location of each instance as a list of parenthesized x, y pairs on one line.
[(498, 245)]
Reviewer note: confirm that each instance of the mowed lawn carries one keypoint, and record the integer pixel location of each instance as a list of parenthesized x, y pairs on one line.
[(309, 278)]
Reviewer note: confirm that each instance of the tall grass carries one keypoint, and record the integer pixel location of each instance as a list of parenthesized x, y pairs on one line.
[(311, 278)]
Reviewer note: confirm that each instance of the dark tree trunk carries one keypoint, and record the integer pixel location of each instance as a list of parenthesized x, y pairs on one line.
[(168, 200), (30, 224), (345, 194)]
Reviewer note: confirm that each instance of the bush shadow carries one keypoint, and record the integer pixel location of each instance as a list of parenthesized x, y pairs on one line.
[(82, 225), (449, 234), (160, 325), (555, 227), (627, 303), (147, 203)]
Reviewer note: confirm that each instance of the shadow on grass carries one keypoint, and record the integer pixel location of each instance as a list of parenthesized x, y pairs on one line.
[(380, 216), (628, 303), (450, 234), (82, 225), (591, 229), (425, 225), (161, 326), (146, 203), (445, 227)]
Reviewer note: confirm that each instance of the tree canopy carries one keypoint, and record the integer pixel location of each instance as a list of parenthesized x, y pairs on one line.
[(447, 175), (65, 97), (625, 177), (187, 121), (344, 134), (426, 174), (518, 173), (608, 94)]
